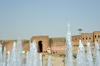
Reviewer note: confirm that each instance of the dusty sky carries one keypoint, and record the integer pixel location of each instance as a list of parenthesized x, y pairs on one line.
[(27, 18)]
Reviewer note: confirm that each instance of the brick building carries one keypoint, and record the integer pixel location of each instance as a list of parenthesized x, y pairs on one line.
[(55, 45)]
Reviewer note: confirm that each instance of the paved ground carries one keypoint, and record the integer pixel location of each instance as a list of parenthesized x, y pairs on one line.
[(56, 60)]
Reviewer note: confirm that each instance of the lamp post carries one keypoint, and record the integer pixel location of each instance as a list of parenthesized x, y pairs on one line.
[(80, 30)]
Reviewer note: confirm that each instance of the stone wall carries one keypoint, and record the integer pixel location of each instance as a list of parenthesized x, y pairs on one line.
[(58, 45), (96, 36), (25, 45), (55, 45), (86, 37), (44, 40), (8, 44)]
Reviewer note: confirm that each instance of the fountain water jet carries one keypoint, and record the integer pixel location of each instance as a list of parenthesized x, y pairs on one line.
[(40, 60), (19, 53), (0, 55), (13, 55), (97, 54), (27, 58), (69, 51), (8, 59), (33, 54), (81, 60), (15, 58), (4, 57), (49, 61), (89, 55)]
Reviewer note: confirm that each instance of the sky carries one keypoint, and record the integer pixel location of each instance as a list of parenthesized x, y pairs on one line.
[(27, 18)]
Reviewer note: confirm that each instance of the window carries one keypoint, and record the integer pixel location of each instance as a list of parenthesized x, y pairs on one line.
[(76, 45), (83, 38), (98, 36), (76, 39), (90, 38), (86, 38), (58, 44)]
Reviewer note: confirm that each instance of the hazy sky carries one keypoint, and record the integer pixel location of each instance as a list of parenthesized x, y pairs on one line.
[(27, 18)]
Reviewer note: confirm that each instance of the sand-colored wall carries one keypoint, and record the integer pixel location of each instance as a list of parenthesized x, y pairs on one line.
[(45, 42), (58, 45), (86, 37), (75, 39), (96, 35), (25, 45), (8, 44)]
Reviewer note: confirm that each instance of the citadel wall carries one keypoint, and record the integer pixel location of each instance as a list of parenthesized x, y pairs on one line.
[(55, 45)]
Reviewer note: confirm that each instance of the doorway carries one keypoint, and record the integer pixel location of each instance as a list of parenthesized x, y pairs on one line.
[(40, 48)]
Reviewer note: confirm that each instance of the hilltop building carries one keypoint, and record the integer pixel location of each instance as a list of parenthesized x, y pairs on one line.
[(55, 45)]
